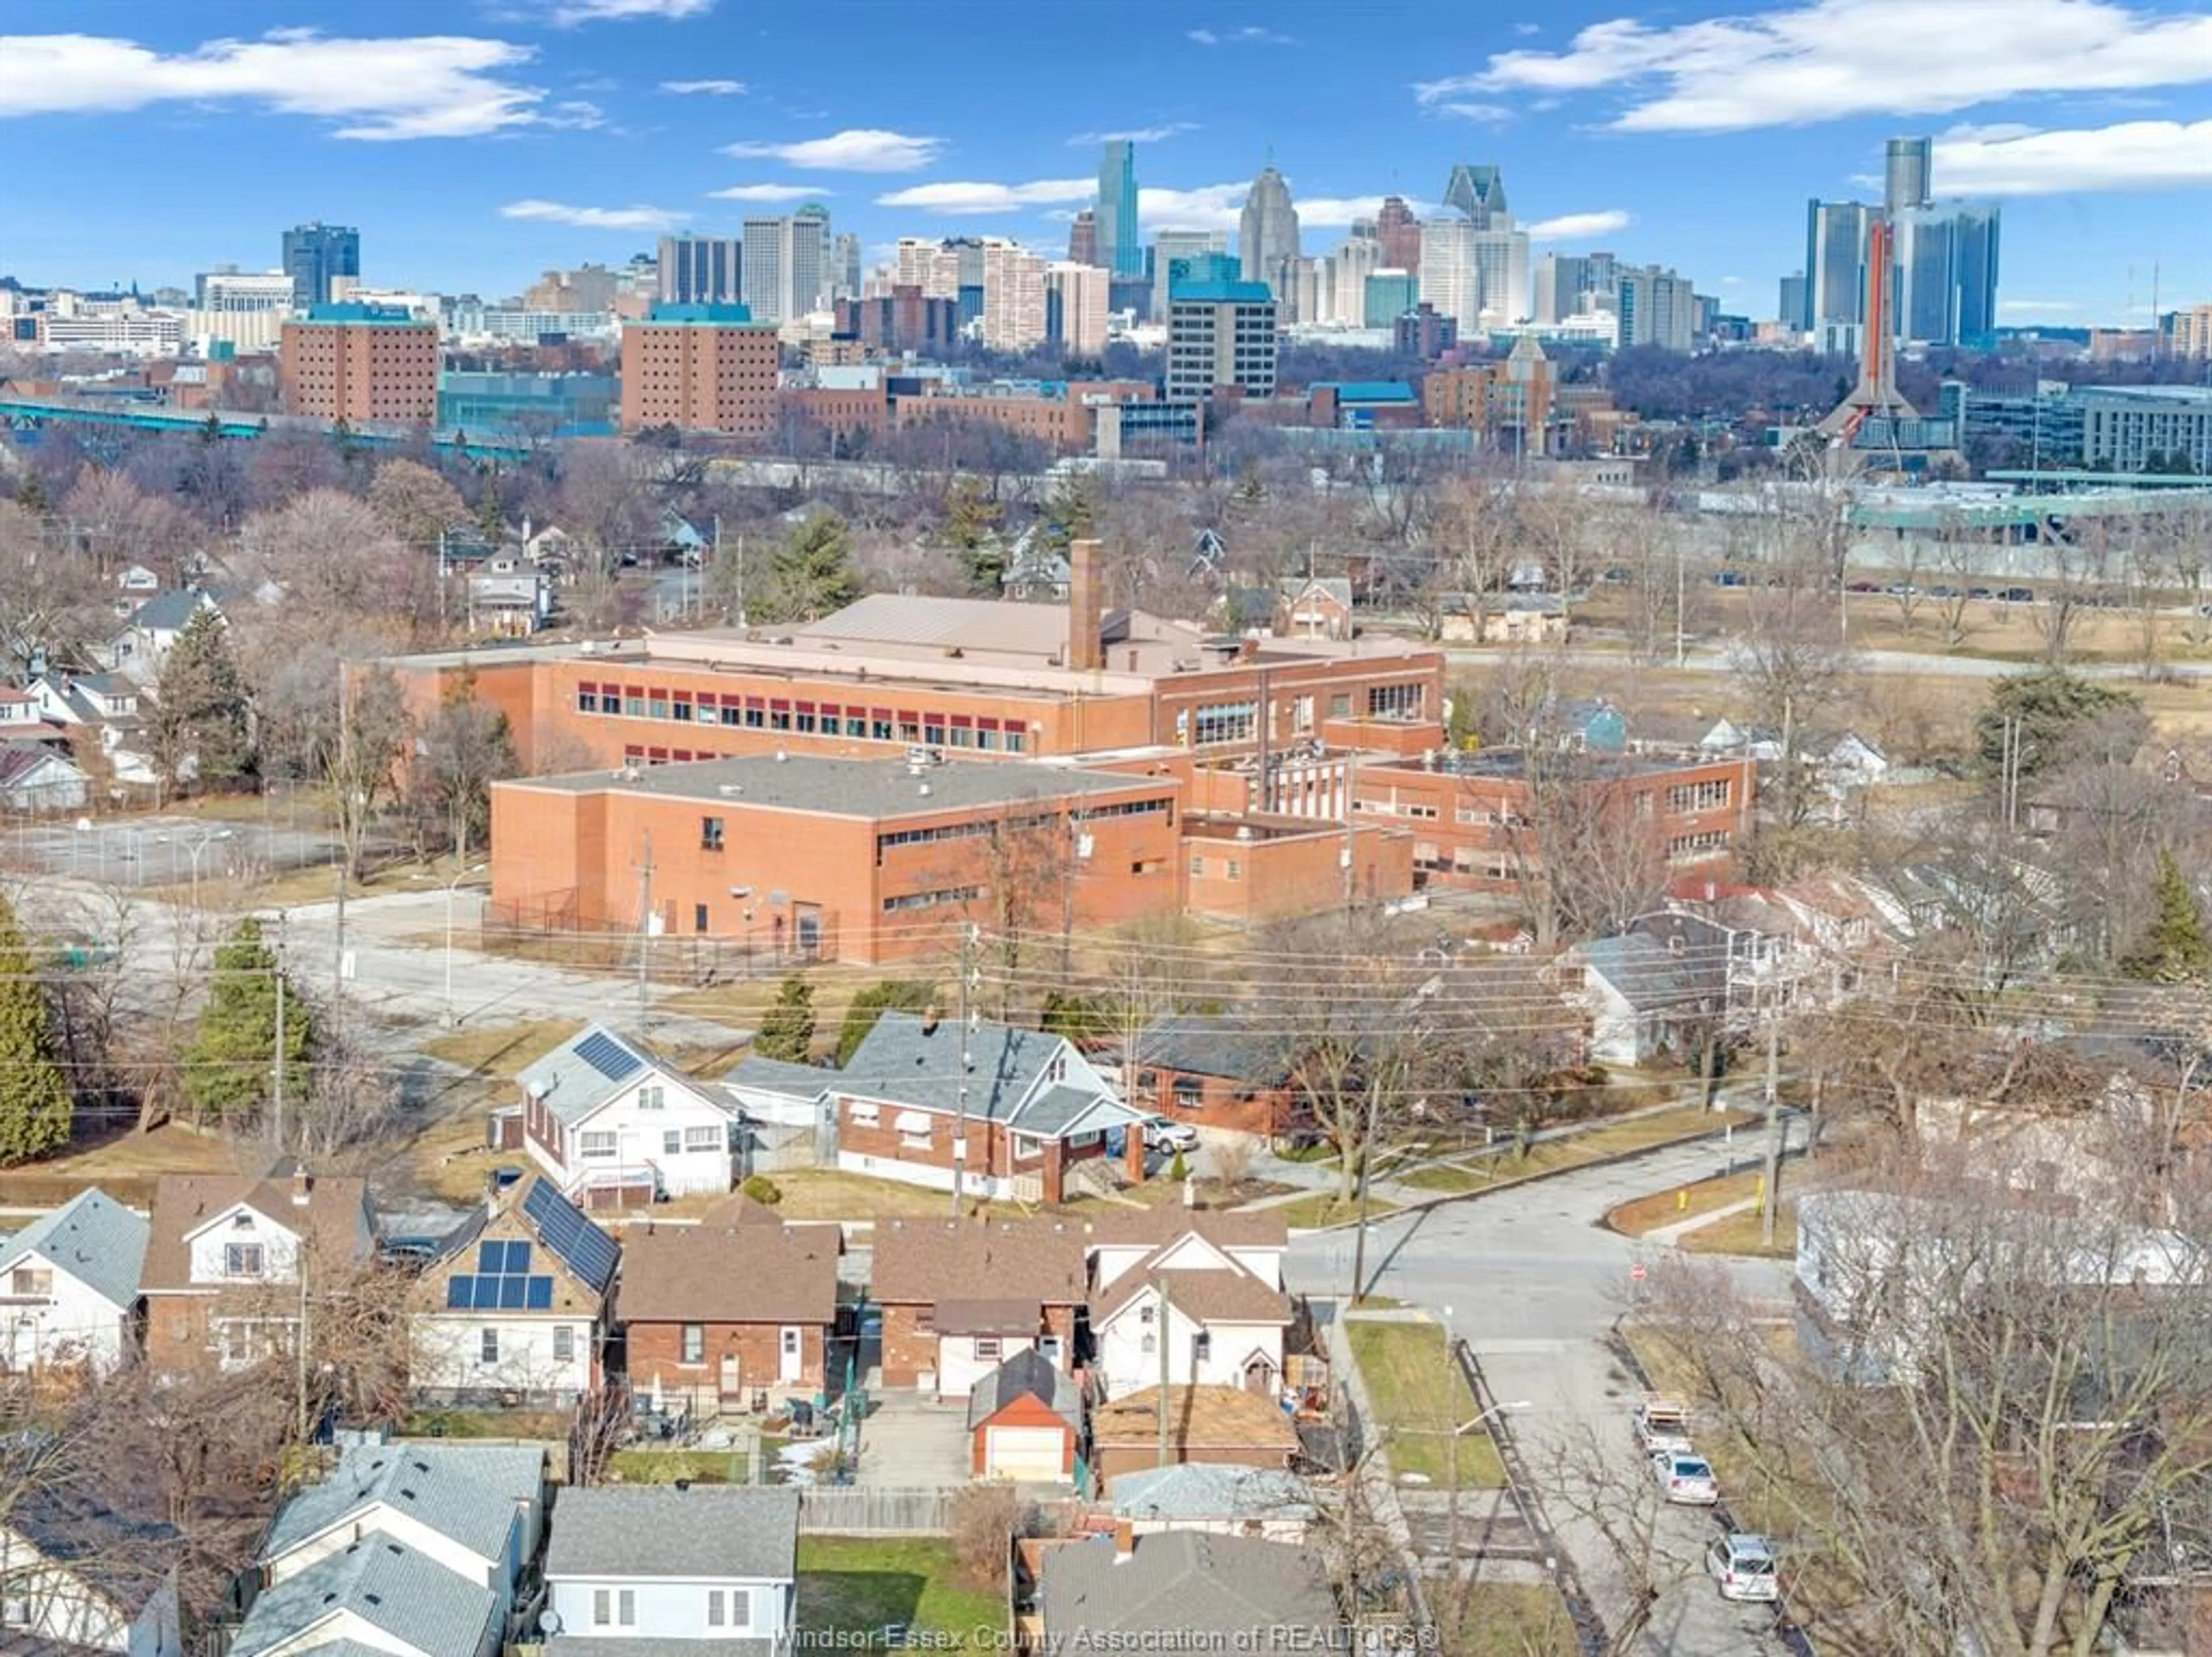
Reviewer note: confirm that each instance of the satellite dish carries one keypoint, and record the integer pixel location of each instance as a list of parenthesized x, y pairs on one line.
[(548, 1622)]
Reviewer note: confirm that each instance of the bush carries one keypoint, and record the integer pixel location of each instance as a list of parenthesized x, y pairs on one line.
[(759, 1188), (903, 995), (1178, 1170), (984, 1520)]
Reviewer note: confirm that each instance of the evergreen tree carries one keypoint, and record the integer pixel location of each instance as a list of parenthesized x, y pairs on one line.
[(787, 1031), (200, 715), (2174, 950), (2048, 712), (811, 574), (230, 1062), (34, 1095), (31, 493), (971, 528), (1072, 514)]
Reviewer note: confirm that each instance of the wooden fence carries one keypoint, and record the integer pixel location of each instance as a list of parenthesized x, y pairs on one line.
[(867, 1510)]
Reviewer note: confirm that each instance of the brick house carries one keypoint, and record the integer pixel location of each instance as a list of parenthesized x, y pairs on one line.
[(959, 1297), (725, 1313), (1217, 1073), (1014, 1111), (225, 1256)]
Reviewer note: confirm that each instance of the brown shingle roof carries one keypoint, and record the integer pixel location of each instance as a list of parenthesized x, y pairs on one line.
[(1227, 1228), (735, 1266), (1202, 1417), (922, 1262), (334, 1223), (1235, 1297)]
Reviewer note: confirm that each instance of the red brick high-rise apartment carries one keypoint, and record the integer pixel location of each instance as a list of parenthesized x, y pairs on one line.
[(358, 363)]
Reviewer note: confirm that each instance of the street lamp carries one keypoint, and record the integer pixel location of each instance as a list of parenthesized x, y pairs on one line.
[(206, 839), (450, 886)]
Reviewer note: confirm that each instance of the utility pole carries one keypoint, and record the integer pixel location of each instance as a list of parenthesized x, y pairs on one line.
[(1351, 804), (644, 925), (960, 1091), (1681, 603), (1167, 1320), (1771, 1193), (741, 580), (1366, 1169), (277, 1100)]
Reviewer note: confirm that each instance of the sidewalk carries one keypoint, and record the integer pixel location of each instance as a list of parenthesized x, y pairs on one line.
[(1667, 1235)]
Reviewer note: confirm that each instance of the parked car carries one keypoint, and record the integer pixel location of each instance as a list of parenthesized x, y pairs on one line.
[(1981, 592), (1162, 1135), (1663, 1424), (2018, 595), (1863, 587), (1742, 1568), (1731, 578), (1685, 1479), (1942, 592)]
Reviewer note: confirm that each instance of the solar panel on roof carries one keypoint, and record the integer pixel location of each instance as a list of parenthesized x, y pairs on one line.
[(491, 1257), (518, 1257), (487, 1295), (586, 1250), (608, 1056), (510, 1294), (457, 1290), (541, 1293)]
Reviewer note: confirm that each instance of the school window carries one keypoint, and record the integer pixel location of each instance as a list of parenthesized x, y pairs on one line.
[(1224, 721), (656, 707), (1017, 741), (633, 707), (698, 918), (1236, 869), (1198, 868), (564, 1343), (932, 732), (1698, 796), (710, 834), (806, 723), (779, 719), (855, 725), (1339, 706), (732, 715), (587, 701), (1691, 845), (487, 1345), (1302, 714), (1394, 701), (695, 1343), (681, 709)]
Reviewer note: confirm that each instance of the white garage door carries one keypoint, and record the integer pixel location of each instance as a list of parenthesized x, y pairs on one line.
[(1024, 1452)]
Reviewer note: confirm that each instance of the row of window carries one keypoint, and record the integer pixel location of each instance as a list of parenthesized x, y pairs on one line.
[(674, 1142), (1698, 796), (803, 718), (1691, 845), (1231, 869), (564, 1345), (957, 894), (725, 1608)]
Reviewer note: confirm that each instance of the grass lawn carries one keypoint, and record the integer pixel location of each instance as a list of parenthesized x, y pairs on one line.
[(666, 1467), (1319, 1209), (1504, 1619), (547, 1425), (501, 1049), (1578, 1150), (1739, 1234), (850, 1587), (1419, 1396), (1666, 1208), (834, 1194)]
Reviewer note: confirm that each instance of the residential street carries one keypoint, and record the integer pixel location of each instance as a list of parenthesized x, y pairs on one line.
[(1533, 1284)]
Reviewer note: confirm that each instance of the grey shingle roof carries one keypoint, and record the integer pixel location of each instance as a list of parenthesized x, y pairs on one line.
[(405, 1594), (903, 1062), (1650, 978), (709, 1530), (1204, 1046), (1185, 1583), (167, 612), (573, 1089), (1202, 1489), (776, 1076), (92, 1237), (1028, 1373), (468, 1492)]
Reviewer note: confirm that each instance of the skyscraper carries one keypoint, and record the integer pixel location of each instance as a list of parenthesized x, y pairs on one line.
[(1904, 175), (1012, 296), (1450, 283), (1075, 307), (1835, 263), (701, 270), (315, 253), (1656, 308), (1120, 248), (1082, 238), (1221, 338), (845, 254), (1268, 233), (1947, 273), (1478, 191), (788, 266), (1400, 233), (1791, 311)]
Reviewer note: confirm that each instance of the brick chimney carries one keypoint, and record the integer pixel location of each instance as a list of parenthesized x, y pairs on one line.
[(1125, 1540), (1086, 654)]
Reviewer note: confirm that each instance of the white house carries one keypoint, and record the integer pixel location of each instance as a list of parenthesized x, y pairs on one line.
[(35, 778), (609, 1119), (69, 1286), (1211, 1287), (137, 649), (657, 1563), (517, 1305), (108, 704), (374, 1594), (85, 1579), (474, 1509)]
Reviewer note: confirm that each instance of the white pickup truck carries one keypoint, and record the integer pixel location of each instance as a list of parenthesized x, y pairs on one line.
[(1663, 1424)]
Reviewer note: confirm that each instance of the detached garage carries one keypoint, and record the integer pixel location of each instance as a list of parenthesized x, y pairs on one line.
[(1025, 1419)]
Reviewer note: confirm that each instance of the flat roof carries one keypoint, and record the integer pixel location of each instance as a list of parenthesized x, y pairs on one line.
[(1512, 763), (870, 789)]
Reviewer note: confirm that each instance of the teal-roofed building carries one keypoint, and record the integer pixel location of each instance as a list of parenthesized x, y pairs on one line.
[(360, 313), (527, 404), (1221, 337), (711, 316)]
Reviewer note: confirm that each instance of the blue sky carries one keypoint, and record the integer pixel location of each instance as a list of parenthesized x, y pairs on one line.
[(477, 142)]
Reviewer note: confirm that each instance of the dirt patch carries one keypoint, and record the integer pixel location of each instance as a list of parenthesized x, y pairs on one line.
[(501, 1049), (127, 1166)]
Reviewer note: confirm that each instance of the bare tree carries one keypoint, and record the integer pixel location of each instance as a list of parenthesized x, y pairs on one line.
[(357, 755), (53, 606)]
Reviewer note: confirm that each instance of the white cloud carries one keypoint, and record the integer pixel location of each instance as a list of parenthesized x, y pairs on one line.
[(856, 149), (1208, 207), (592, 218), (2021, 161), (965, 197), (1335, 213), (1831, 58), (1527, 28), (570, 13), (2037, 307), (770, 193), (704, 89), (1488, 113), (1251, 35), (424, 87), (1135, 134), (1578, 226)]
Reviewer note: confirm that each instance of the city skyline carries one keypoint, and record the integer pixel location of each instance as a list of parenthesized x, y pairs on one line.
[(474, 150)]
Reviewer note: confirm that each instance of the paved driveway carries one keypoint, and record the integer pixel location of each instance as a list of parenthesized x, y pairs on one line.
[(909, 1443), (1534, 1283)]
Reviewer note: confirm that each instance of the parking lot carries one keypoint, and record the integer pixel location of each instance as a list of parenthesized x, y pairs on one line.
[(909, 1443), (167, 850)]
